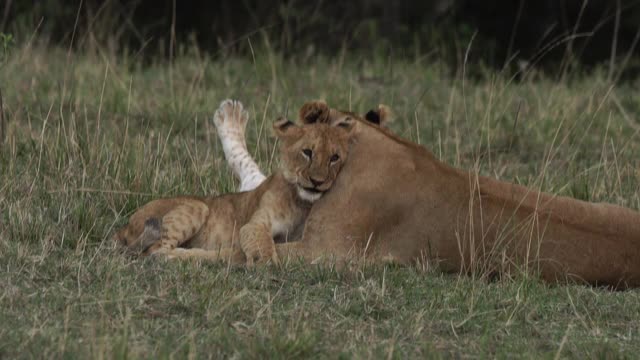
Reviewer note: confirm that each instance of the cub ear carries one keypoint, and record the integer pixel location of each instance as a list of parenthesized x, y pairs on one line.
[(380, 116), (284, 127), (314, 112)]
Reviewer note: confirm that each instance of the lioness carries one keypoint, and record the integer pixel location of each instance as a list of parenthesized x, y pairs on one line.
[(311, 158), (394, 201)]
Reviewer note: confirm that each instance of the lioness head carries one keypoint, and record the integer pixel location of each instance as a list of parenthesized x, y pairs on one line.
[(312, 154)]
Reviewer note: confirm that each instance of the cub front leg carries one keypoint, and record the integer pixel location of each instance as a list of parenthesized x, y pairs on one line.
[(256, 240), (231, 256)]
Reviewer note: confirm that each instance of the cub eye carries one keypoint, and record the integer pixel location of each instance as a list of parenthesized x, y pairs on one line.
[(307, 153), (334, 158)]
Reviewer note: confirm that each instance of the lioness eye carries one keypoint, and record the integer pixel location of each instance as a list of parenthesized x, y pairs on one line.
[(307, 153), (334, 158)]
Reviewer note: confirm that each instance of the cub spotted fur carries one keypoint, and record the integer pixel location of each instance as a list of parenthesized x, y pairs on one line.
[(245, 224)]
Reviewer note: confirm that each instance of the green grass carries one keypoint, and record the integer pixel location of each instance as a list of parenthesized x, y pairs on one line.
[(91, 136)]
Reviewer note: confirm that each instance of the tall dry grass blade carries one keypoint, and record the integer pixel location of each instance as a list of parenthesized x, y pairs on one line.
[(5, 15), (614, 43), (2, 124)]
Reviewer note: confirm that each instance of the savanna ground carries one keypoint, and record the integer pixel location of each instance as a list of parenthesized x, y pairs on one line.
[(90, 136)]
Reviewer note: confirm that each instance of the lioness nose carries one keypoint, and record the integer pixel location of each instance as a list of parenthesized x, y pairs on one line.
[(315, 182)]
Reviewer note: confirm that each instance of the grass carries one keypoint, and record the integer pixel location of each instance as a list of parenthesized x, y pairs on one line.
[(92, 135)]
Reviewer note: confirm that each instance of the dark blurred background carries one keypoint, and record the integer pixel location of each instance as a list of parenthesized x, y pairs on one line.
[(503, 31)]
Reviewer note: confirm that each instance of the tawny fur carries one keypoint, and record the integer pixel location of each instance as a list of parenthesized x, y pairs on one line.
[(241, 227)]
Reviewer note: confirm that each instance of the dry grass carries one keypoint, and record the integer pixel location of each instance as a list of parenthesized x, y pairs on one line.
[(90, 136)]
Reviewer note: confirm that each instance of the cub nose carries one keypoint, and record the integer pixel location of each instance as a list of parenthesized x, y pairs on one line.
[(315, 182)]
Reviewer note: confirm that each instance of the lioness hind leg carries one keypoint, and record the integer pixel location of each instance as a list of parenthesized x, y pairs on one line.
[(231, 120), (180, 225)]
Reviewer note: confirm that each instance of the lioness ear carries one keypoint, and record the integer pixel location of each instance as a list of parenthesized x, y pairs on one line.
[(284, 127), (372, 117), (380, 116), (314, 112)]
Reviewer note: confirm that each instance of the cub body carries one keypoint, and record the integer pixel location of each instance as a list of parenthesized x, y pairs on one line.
[(243, 226)]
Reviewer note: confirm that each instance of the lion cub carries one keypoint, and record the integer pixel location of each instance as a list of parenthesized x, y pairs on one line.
[(248, 222)]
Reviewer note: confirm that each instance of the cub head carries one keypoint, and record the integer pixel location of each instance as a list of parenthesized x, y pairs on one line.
[(313, 154)]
